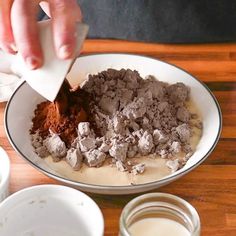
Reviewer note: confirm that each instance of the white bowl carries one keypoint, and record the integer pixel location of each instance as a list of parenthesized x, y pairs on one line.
[(50, 210), (4, 174), (19, 113)]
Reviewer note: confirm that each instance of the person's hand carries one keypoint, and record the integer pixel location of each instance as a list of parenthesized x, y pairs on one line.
[(19, 32)]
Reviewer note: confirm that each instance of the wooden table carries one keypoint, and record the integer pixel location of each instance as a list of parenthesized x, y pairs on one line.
[(211, 187)]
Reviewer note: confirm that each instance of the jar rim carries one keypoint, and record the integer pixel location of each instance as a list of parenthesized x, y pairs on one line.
[(130, 205)]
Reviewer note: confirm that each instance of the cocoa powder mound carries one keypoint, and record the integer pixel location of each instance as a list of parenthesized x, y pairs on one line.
[(61, 116)]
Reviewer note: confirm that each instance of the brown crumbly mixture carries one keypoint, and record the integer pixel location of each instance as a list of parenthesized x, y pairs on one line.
[(127, 116)]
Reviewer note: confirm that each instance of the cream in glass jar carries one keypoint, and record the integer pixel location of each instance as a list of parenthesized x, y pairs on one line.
[(159, 214)]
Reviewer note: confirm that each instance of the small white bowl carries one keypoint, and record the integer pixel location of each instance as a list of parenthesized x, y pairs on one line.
[(50, 210), (4, 174)]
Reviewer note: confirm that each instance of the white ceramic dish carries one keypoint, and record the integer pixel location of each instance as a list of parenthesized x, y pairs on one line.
[(4, 174), (25, 99), (50, 210)]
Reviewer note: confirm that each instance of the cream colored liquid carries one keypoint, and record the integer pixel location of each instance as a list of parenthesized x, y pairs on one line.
[(158, 227), (107, 175)]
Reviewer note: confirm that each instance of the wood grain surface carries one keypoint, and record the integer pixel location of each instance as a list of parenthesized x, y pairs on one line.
[(210, 188)]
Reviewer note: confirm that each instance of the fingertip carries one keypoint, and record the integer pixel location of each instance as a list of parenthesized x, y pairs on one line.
[(65, 52), (12, 48), (8, 49), (33, 63)]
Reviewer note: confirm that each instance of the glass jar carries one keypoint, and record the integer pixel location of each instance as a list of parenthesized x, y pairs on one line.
[(159, 212)]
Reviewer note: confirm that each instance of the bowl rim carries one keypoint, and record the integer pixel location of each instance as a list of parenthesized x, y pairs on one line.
[(4, 159), (54, 187), (91, 187)]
